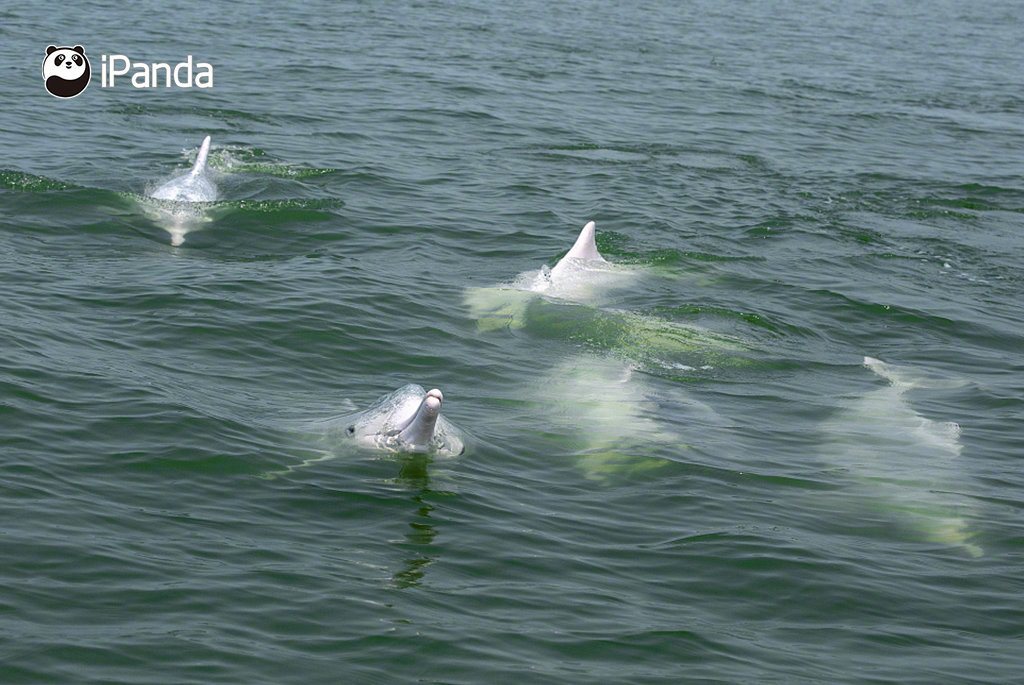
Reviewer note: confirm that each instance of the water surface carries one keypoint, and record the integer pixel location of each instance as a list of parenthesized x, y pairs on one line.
[(640, 503)]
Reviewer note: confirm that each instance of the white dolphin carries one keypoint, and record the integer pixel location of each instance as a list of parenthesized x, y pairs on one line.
[(581, 276), (604, 414), (406, 420), (568, 301), (904, 462), (180, 205)]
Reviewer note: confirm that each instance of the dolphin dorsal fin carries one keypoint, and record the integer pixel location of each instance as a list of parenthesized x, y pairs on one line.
[(903, 378), (585, 247), (204, 151)]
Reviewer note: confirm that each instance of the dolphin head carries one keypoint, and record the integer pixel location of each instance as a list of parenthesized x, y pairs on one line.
[(407, 420)]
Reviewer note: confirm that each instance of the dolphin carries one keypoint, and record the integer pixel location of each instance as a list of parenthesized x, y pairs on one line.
[(177, 204), (194, 186), (567, 301), (581, 276), (604, 415), (904, 463), (406, 420)]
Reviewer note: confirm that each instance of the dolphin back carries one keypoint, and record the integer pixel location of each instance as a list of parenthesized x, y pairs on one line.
[(193, 186)]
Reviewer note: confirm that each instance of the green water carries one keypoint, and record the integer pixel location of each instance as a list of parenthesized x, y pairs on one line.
[(689, 478)]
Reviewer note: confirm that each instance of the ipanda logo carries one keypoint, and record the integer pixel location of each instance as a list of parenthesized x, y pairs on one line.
[(66, 72)]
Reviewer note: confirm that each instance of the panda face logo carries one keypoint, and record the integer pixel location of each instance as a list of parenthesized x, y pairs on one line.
[(65, 71)]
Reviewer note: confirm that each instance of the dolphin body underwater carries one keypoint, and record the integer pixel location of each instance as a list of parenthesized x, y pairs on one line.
[(609, 417), (596, 396), (179, 210), (904, 465)]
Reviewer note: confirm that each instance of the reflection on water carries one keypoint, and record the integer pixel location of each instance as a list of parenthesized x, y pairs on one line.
[(413, 475)]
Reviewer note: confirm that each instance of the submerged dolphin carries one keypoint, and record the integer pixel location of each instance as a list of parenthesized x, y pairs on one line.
[(194, 186), (609, 417), (904, 462), (406, 420)]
